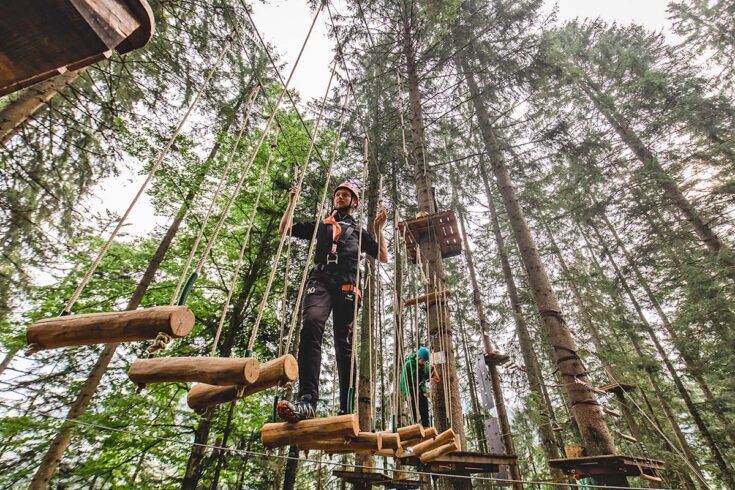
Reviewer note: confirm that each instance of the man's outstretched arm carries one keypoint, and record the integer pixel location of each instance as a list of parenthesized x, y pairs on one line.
[(378, 226), (288, 214)]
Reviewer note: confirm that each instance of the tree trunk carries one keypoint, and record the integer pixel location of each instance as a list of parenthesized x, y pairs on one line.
[(530, 361), (194, 466), (292, 466), (8, 359), (651, 164), (725, 470), (22, 108), (440, 330), (221, 453), (61, 441), (585, 407)]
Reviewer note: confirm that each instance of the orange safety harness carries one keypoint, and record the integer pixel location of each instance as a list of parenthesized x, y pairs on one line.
[(332, 257)]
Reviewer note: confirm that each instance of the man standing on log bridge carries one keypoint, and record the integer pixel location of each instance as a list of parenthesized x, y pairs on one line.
[(332, 287)]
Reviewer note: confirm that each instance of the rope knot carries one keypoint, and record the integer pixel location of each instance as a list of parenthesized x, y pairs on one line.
[(161, 342)]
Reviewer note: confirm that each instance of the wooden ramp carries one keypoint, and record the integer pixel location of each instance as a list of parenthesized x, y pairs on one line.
[(441, 227), (465, 462), (108, 328), (44, 38), (609, 464)]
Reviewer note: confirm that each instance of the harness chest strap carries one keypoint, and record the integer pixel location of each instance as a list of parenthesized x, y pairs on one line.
[(336, 234)]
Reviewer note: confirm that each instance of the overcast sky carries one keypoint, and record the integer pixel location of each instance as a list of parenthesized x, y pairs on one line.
[(284, 24)]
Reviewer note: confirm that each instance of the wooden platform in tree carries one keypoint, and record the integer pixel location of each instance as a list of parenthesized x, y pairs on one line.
[(609, 464), (108, 328), (44, 38), (616, 388), (377, 479), (428, 298), (497, 358), (465, 463), (441, 227)]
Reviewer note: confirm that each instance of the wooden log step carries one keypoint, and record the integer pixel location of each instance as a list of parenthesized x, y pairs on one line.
[(611, 412), (283, 369), (438, 452), (108, 328), (363, 442), (651, 478), (310, 431), (430, 432), (627, 437), (444, 438), (411, 432), (390, 440), (222, 371), (432, 297)]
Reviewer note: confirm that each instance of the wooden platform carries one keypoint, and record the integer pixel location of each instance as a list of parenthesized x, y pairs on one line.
[(441, 227), (44, 38), (609, 464), (377, 479), (616, 388), (465, 463), (497, 358)]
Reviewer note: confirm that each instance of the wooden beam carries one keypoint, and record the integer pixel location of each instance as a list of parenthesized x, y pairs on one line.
[(363, 442), (437, 452), (430, 432), (411, 432), (310, 431), (282, 369), (222, 371), (444, 438), (428, 298), (390, 440), (108, 328)]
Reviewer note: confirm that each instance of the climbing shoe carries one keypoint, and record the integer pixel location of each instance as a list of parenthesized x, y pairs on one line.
[(295, 412)]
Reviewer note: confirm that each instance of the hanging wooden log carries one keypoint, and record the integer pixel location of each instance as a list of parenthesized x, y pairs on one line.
[(430, 432), (627, 437), (390, 440), (432, 297), (363, 442), (45, 38), (310, 431), (283, 369), (651, 478), (411, 432), (611, 412), (386, 453), (109, 328), (444, 438), (203, 396), (438, 452), (222, 371)]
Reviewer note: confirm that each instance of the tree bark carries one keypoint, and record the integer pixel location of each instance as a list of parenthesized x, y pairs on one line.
[(530, 360), (194, 466), (61, 441), (440, 330), (32, 99), (8, 359), (585, 407)]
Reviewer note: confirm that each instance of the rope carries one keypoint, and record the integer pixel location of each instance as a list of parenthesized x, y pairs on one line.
[(215, 197), (246, 240), (289, 211), (356, 305), (156, 164), (312, 243)]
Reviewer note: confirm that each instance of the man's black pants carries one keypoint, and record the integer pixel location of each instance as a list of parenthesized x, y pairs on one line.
[(423, 407), (324, 295)]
